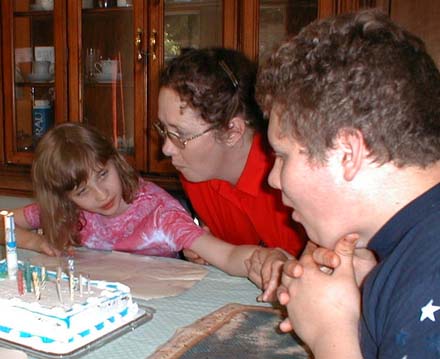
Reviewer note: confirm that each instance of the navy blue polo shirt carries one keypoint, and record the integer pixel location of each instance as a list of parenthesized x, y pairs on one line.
[(401, 296)]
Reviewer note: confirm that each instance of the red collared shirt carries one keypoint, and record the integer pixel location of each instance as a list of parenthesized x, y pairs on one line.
[(251, 212)]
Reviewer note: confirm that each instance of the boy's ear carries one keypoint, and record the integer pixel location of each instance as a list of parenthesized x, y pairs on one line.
[(351, 143), (236, 129)]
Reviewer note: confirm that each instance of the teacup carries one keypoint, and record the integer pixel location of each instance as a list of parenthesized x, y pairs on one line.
[(41, 67), (45, 4), (107, 67)]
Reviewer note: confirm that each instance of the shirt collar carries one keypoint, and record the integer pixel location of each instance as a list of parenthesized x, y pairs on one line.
[(257, 167), (392, 232)]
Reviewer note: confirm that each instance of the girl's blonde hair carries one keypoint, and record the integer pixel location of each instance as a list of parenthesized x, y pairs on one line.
[(64, 159)]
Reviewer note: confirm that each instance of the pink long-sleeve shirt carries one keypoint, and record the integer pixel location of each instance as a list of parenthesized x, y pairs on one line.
[(155, 224)]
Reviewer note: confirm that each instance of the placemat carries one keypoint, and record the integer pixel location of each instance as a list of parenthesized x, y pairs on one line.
[(148, 277), (235, 330)]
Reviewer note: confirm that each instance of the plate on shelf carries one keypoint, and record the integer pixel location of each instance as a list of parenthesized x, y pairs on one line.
[(106, 78), (38, 7), (40, 77)]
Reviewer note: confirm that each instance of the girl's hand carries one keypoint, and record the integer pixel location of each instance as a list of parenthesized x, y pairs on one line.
[(45, 247)]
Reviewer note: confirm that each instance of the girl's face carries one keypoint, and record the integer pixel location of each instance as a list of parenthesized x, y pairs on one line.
[(102, 193), (202, 157)]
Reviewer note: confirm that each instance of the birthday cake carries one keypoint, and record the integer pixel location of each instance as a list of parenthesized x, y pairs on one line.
[(61, 315)]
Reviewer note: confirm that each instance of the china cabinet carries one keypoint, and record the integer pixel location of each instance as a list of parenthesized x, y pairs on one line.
[(98, 62)]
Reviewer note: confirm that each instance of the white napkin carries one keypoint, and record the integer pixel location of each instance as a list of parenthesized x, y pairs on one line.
[(12, 354)]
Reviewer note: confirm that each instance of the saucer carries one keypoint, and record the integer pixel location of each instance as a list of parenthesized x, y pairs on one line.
[(106, 78), (38, 7), (39, 77)]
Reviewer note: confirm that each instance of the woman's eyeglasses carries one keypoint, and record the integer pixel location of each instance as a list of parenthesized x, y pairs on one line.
[(175, 137)]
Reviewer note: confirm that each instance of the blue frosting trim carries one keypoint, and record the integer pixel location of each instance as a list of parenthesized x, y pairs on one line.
[(99, 326), (5, 329), (85, 333), (124, 312)]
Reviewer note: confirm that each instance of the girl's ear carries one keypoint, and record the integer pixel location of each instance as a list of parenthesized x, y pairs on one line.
[(351, 143), (236, 129)]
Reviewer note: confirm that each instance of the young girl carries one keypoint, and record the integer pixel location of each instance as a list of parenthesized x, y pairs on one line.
[(88, 195)]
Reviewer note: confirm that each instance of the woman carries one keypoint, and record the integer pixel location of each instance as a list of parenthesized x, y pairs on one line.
[(214, 132)]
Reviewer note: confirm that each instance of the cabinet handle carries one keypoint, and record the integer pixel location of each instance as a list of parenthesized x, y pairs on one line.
[(138, 44), (153, 44)]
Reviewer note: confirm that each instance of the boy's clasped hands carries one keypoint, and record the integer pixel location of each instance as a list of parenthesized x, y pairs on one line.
[(320, 281)]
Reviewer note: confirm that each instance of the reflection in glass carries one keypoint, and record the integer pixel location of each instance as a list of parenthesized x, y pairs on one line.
[(282, 18), (191, 24), (34, 60), (108, 72)]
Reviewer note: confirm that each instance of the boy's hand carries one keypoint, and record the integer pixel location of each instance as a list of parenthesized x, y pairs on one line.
[(363, 262)]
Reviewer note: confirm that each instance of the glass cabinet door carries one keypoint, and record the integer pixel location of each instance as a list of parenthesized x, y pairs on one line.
[(281, 18), (191, 24), (30, 104), (176, 26), (107, 71)]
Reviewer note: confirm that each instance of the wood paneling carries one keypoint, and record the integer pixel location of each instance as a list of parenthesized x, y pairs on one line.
[(421, 17)]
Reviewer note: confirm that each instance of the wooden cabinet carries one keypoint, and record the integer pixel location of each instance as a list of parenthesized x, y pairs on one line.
[(98, 62)]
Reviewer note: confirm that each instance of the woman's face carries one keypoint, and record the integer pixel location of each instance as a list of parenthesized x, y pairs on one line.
[(202, 157)]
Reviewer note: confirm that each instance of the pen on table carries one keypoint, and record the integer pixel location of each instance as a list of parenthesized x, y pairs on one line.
[(11, 244)]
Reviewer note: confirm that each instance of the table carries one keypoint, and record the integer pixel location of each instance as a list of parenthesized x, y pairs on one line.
[(214, 291), (208, 295)]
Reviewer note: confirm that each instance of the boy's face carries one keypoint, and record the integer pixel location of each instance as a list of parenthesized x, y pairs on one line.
[(310, 189)]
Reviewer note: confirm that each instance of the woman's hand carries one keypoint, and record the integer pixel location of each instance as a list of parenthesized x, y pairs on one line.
[(264, 268)]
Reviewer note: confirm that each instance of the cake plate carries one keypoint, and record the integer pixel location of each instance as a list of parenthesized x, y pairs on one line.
[(144, 315)]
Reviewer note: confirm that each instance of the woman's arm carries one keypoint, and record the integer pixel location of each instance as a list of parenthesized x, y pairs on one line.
[(263, 266)]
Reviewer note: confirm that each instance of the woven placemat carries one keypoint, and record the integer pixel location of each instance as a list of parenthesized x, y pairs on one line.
[(235, 330)]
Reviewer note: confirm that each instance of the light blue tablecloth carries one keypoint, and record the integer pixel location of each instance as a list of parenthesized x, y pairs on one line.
[(171, 313), (214, 291)]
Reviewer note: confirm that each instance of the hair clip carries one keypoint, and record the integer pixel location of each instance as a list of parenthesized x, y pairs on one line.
[(228, 71)]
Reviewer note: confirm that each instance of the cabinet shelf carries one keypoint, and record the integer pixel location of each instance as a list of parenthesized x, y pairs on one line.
[(35, 84), (34, 13), (107, 10)]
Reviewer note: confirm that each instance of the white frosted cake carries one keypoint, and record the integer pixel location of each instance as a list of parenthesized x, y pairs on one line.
[(58, 321)]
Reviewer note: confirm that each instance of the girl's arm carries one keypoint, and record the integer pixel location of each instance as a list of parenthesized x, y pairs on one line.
[(235, 260), (225, 256), (26, 237)]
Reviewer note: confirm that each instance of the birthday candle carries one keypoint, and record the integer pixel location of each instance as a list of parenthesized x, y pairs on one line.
[(20, 287), (81, 283), (28, 277), (43, 277), (58, 284), (11, 244), (36, 283), (71, 286)]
